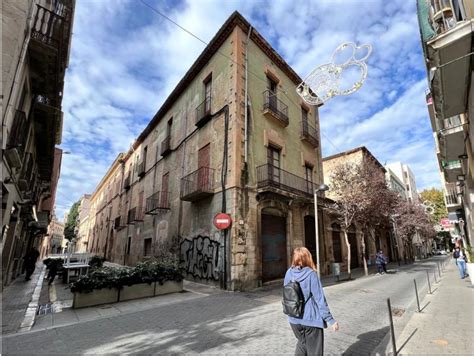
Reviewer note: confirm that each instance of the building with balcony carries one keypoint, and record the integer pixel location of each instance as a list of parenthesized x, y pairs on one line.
[(36, 41), (446, 29), (52, 243), (395, 184), (83, 223), (207, 152), (384, 239), (405, 175)]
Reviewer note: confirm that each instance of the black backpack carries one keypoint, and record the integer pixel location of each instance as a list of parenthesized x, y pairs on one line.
[(293, 300)]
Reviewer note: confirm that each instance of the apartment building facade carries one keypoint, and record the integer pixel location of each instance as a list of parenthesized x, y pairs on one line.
[(384, 239), (83, 224), (52, 243), (207, 152), (405, 175), (395, 184), (446, 29), (36, 39)]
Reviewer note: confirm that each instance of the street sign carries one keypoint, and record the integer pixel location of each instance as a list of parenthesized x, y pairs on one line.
[(222, 221), (445, 223)]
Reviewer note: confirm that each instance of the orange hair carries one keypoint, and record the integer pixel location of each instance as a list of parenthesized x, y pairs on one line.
[(302, 258)]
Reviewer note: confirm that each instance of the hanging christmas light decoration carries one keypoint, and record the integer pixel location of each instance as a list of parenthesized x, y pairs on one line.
[(324, 82)]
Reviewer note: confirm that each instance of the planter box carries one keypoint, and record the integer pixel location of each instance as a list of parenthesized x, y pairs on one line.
[(168, 287), (470, 271), (137, 291), (96, 297)]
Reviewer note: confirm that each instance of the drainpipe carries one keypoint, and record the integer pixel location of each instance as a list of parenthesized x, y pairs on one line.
[(246, 96)]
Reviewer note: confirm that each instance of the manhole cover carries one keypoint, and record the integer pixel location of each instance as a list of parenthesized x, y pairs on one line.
[(397, 311)]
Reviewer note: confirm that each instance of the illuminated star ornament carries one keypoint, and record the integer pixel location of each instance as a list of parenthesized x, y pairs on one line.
[(325, 82)]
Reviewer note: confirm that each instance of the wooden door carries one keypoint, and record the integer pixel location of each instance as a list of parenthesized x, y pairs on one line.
[(274, 259), (204, 162), (164, 189), (354, 250), (310, 236)]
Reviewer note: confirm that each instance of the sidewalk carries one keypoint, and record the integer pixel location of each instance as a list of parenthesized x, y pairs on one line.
[(445, 325), (16, 298)]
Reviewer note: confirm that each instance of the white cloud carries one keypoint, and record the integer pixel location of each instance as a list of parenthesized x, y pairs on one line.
[(126, 59)]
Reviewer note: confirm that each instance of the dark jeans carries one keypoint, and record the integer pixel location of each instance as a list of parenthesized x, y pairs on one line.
[(29, 271), (310, 340)]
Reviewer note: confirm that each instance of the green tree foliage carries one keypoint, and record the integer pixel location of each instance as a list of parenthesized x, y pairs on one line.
[(69, 229), (436, 197)]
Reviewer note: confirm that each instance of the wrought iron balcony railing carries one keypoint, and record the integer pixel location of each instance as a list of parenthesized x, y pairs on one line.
[(141, 169), (48, 27), (271, 176), (136, 214), (203, 112), (166, 146), (275, 107), (156, 202), (456, 164), (197, 185), (453, 122), (18, 133), (451, 195), (309, 133), (126, 182)]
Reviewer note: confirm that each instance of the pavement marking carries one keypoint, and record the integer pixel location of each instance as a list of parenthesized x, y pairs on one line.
[(441, 342), (32, 308)]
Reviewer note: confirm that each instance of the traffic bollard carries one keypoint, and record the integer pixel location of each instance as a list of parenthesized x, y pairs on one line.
[(434, 275), (439, 271), (429, 284), (392, 329), (417, 299)]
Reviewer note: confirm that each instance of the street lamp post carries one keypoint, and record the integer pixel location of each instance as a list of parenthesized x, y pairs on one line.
[(321, 188)]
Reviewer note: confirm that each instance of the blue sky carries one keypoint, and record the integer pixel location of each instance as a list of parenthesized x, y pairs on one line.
[(125, 60)]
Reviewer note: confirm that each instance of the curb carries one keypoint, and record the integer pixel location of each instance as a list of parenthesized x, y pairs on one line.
[(30, 314)]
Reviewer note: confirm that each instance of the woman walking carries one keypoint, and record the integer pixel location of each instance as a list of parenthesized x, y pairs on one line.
[(309, 329)]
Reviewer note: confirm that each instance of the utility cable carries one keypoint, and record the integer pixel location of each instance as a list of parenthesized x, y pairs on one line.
[(284, 89)]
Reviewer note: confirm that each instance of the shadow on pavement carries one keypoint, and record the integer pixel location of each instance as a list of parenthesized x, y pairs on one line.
[(406, 342), (367, 342), (425, 306)]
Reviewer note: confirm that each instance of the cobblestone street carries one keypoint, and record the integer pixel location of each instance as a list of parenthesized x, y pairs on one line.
[(233, 323)]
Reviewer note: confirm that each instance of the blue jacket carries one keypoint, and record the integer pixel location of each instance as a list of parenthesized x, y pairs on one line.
[(316, 311)]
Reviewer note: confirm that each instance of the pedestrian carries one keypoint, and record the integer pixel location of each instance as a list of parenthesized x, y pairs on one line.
[(309, 329), (460, 257), (30, 262), (53, 266), (381, 262)]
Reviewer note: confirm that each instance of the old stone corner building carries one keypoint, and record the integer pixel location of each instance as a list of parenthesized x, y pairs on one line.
[(202, 154)]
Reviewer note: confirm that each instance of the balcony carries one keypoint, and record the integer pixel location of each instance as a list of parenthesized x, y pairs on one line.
[(309, 134), (157, 202), (118, 223), (197, 185), (276, 179), (16, 142), (135, 215), (47, 121), (451, 137), (166, 146), (452, 200), (141, 169), (451, 170), (203, 112), (126, 182), (275, 109), (447, 35), (49, 48)]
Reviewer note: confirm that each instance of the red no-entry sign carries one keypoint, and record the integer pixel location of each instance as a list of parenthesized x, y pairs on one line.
[(222, 221)]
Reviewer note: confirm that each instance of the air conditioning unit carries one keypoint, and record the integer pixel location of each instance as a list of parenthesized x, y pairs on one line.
[(13, 157)]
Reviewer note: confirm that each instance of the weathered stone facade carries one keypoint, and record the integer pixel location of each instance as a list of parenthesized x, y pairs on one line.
[(176, 171)]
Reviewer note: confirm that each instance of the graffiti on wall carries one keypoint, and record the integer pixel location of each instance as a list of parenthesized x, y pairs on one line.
[(200, 257)]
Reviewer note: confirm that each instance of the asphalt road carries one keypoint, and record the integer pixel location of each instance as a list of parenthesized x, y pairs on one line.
[(238, 323)]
